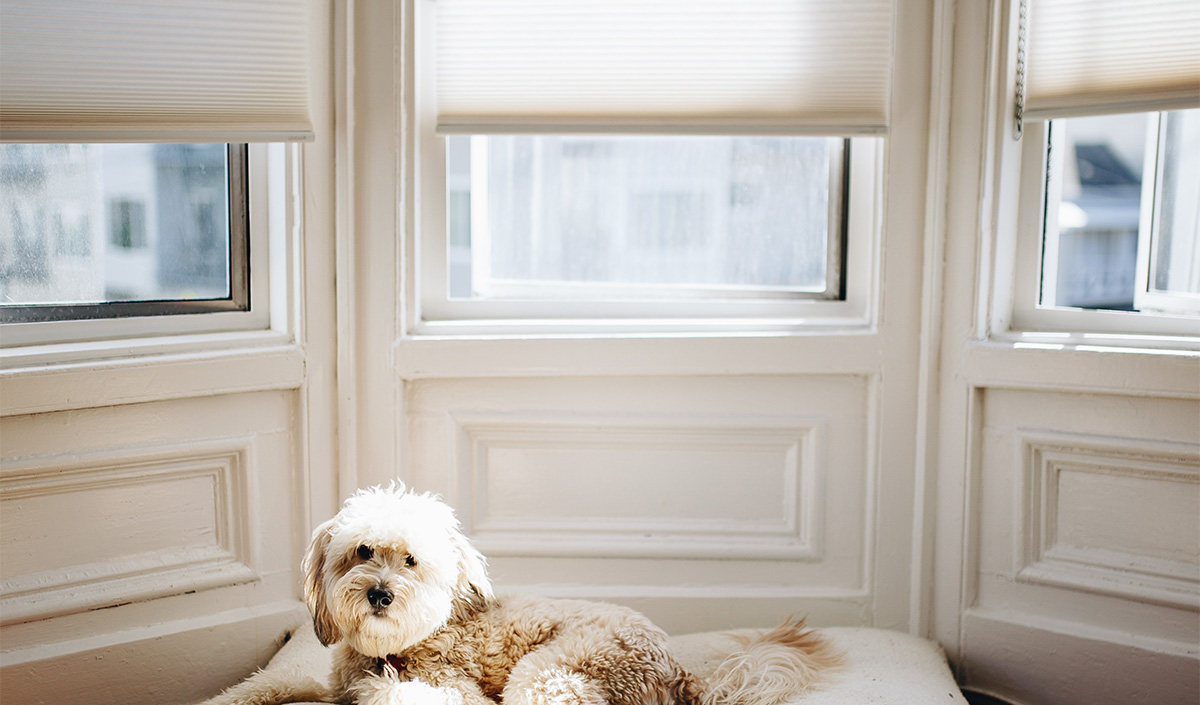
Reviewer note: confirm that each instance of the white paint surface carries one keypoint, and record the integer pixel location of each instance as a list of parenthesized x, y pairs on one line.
[(1029, 501)]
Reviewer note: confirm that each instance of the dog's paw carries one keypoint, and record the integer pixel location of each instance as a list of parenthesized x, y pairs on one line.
[(384, 690)]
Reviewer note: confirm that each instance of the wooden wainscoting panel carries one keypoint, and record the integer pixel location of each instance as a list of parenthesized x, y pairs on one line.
[(1108, 515), (143, 523), (653, 486)]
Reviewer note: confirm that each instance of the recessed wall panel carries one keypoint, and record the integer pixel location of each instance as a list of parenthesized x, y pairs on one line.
[(1111, 515), (78, 533), (652, 486), (1087, 511), (749, 492)]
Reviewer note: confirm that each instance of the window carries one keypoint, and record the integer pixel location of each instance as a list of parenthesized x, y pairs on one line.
[(1169, 259), (1120, 229), (127, 182), (653, 218), (1108, 222), (108, 230), (639, 163)]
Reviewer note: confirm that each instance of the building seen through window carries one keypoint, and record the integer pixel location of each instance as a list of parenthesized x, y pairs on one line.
[(637, 217), (95, 223), (1122, 181)]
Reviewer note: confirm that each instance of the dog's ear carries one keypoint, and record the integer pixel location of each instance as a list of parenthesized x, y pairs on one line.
[(314, 585), (472, 569)]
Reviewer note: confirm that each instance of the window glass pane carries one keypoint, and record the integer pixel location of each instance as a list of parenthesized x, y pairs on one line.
[(1100, 163), (1176, 252), (634, 217), (94, 223), (1117, 186)]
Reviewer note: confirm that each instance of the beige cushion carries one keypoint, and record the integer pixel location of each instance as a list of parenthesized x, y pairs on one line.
[(882, 666)]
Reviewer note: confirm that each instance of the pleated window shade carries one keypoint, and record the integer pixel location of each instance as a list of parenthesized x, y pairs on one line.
[(154, 71), (790, 67), (1092, 57)]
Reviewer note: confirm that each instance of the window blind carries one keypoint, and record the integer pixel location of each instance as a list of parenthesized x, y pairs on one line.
[(662, 66), (1089, 57), (154, 71)]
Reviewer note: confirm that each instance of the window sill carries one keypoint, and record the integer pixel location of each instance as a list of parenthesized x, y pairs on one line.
[(39, 379), (601, 351), (835, 317), (1087, 363), (1148, 344)]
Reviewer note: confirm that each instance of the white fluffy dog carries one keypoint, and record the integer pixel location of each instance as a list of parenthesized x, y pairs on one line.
[(392, 581)]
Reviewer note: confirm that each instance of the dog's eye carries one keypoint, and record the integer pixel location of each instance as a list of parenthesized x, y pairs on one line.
[(410, 561), (365, 552)]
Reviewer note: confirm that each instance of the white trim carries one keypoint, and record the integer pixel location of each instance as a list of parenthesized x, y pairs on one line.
[(373, 196), (655, 352), (1145, 297), (928, 403), (346, 240), (219, 369), (1082, 368)]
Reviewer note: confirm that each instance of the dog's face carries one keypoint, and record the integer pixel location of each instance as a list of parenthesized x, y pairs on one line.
[(386, 572)]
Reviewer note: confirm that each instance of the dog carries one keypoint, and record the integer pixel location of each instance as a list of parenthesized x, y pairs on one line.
[(405, 600)]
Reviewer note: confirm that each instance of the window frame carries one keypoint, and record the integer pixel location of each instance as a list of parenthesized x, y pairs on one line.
[(1031, 320), (1146, 297), (537, 292), (431, 312), (160, 320), (238, 270)]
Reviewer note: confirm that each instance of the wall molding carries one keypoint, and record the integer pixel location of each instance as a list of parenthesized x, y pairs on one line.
[(229, 558), (153, 371), (1042, 558), (795, 443)]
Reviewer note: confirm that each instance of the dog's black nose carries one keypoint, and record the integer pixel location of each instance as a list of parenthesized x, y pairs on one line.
[(379, 596)]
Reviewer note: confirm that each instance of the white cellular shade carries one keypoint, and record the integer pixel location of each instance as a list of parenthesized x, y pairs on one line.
[(1090, 57), (663, 66), (154, 70)]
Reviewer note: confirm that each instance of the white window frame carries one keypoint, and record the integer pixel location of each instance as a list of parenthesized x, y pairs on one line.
[(541, 291), (1030, 321), (272, 173), (1145, 298), (430, 312)]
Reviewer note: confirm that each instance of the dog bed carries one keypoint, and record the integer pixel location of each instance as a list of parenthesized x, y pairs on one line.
[(881, 666)]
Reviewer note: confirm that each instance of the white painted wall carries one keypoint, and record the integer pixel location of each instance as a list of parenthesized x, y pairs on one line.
[(1031, 507), (156, 495), (1067, 551), (710, 480)]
